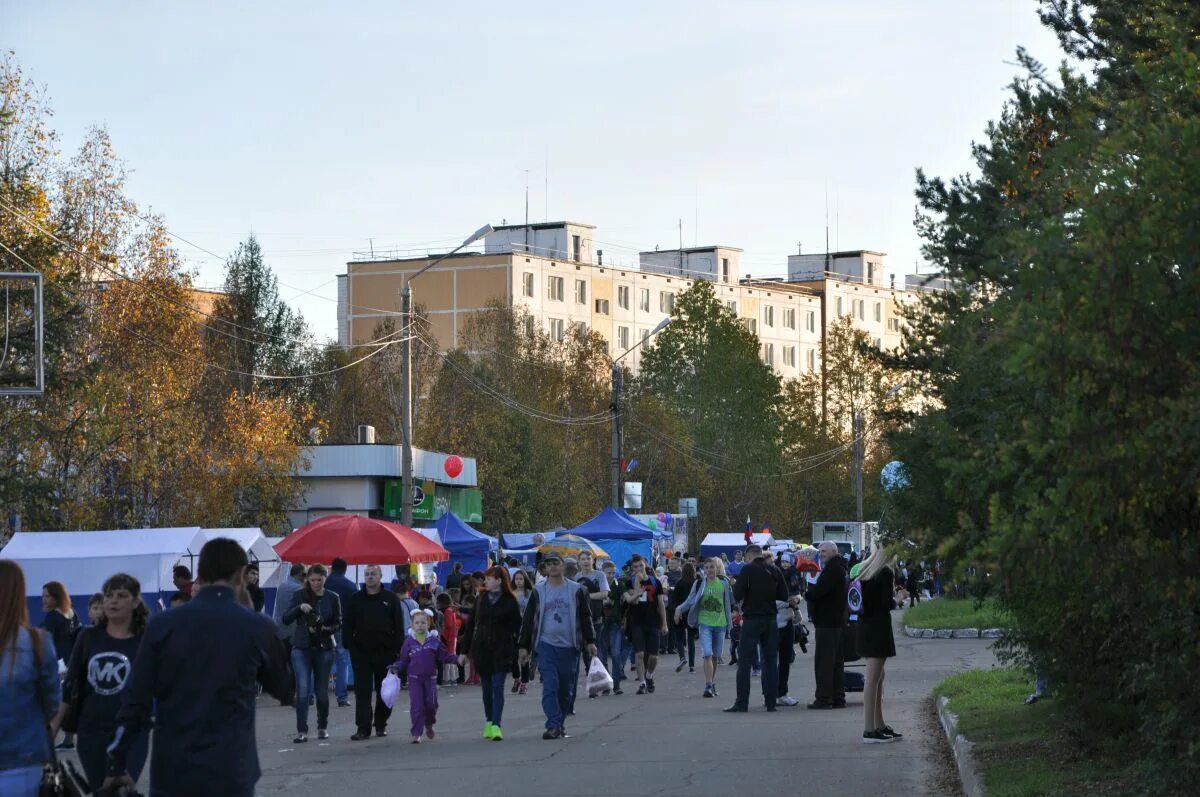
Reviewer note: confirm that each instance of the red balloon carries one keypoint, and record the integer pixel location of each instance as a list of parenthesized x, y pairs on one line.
[(453, 466)]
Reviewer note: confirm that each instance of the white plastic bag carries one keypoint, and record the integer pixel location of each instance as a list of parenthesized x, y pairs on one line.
[(389, 690), (598, 679)]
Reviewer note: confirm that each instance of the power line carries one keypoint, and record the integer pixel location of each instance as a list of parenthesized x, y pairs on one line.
[(207, 363)]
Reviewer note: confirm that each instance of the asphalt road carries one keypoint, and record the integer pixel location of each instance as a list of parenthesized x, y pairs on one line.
[(673, 742)]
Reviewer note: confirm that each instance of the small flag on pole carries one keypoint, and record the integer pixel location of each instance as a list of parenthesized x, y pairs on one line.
[(749, 529), (632, 464)]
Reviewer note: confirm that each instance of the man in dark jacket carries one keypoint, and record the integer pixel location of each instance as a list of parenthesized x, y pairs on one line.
[(345, 589), (198, 671), (373, 632), (827, 604), (757, 588)]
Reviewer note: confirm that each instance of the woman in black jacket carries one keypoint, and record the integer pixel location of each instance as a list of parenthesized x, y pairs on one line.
[(491, 639), (876, 642), (684, 634), (320, 614)]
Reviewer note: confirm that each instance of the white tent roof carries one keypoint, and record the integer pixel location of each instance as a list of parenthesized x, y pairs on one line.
[(257, 547), (83, 560), (734, 540)]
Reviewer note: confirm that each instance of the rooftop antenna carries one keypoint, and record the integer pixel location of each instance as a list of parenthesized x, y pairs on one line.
[(681, 247), (826, 226), (799, 247), (526, 211), (371, 242), (546, 196), (696, 222)]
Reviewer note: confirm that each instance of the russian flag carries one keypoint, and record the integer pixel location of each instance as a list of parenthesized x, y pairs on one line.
[(749, 529)]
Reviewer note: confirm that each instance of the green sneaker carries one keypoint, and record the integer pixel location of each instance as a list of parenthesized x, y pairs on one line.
[(497, 735), (488, 730)]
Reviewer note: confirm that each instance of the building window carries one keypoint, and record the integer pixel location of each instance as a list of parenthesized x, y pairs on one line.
[(769, 354), (576, 247), (557, 329), (623, 297), (894, 324), (602, 306), (789, 317), (623, 337), (862, 310), (581, 327), (554, 289), (812, 359), (839, 307), (879, 343), (810, 321), (580, 292), (789, 356), (878, 311), (527, 280), (732, 305), (751, 324), (644, 300), (724, 269), (768, 316), (604, 343), (666, 302), (645, 335), (529, 322)]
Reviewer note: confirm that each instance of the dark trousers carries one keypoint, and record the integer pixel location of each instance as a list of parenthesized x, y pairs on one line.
[(370, 668), (492, 686), (787, 654), (830, 666), (685, 639), (92, 749), (757, 630), (560, 670)]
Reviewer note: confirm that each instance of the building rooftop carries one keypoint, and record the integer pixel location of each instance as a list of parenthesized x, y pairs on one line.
[(691, 249), (544, 225), (845, 253)]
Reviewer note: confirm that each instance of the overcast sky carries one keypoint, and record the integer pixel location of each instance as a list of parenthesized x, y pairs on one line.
[(320, 126)]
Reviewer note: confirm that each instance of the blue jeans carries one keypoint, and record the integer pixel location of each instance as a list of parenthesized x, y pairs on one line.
[(342, 679), (492, 686), (560, 671), (312, 669), (614, 650), (712, 640)]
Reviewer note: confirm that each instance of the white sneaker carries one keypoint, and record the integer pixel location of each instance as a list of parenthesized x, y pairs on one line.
[(787, 700)]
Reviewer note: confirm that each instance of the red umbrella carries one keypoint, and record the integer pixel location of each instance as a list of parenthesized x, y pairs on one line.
[(360, 541)]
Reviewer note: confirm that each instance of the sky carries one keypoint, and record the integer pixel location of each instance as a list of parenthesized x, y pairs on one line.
[(329, 128)]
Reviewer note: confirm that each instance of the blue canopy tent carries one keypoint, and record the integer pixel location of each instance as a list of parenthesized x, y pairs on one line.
[(464, 543), (616, 532)]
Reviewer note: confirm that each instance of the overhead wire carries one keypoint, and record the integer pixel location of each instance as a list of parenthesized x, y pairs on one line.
[(207, 363), (183, 306)]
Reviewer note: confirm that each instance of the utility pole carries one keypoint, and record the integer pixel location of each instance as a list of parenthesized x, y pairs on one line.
[(615, 464), (406, 326), (857, 475)]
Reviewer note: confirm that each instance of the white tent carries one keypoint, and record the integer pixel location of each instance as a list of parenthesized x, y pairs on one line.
[(258, 548), (83, 560), (725, 542)]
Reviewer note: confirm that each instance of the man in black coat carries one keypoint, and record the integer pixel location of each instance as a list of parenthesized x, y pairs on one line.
[(198, 672), (757, 588), (827, 603), (373, 632)]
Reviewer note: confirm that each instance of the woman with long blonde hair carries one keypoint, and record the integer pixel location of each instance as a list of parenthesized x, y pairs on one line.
[(876, 643)]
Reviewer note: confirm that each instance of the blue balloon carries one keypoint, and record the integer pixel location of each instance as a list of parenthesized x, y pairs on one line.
[(894, 476)]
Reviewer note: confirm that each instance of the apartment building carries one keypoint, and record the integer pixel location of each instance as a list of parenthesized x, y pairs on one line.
[(557, 273)]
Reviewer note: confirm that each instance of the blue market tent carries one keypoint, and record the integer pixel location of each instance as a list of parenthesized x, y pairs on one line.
[(619, 534), (464, 543)]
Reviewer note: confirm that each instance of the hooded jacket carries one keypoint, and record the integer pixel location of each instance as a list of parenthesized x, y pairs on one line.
[(422, 659), (691, 607)]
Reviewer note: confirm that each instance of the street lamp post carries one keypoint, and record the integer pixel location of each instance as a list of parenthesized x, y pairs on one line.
[(617, 383), (406, 455)]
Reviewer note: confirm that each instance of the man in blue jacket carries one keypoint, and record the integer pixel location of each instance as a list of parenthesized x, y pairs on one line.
[(197, 672), (344, 588)]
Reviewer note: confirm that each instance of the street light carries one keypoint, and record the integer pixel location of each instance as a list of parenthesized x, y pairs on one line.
[(615, 465), (406, 457)]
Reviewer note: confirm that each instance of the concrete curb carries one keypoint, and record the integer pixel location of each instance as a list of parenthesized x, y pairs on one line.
[(953, 633), (968, 772)]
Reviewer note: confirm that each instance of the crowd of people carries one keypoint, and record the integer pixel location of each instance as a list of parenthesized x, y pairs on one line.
[(215, 651)]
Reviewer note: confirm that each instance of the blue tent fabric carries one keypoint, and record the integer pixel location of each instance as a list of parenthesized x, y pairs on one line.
[(612, 524), (620, 551), (464, 543), (521, 541)]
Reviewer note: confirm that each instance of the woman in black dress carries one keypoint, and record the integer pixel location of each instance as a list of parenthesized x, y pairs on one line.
[(876, 643)]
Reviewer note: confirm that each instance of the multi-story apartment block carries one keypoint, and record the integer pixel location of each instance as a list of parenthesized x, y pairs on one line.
[(556, 273)]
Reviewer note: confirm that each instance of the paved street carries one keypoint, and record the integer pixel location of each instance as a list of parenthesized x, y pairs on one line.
[(671, 742)]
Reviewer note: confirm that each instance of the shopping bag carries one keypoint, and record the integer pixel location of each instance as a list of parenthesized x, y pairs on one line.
[(389, 690), (598, 679)]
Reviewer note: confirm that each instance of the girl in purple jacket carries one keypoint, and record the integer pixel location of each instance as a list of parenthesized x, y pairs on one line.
[(420, 658)]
